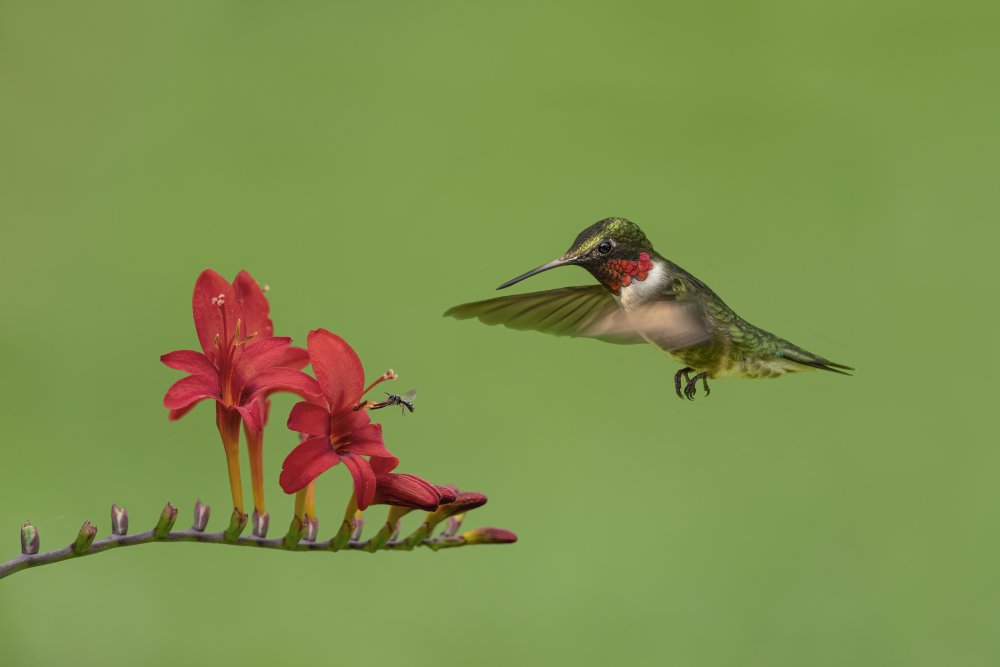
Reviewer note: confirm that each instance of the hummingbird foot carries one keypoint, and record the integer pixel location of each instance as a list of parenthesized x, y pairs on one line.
[(691, 388), (682, 373)]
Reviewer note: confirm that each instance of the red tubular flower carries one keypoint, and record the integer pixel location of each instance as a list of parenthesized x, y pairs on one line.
[(238, 365), (257, 315), (336, 431)]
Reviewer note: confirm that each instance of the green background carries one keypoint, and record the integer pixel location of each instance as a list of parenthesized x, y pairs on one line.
[(830, 168)]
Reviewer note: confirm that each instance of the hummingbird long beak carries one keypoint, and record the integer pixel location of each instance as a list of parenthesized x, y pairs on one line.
[(559, 261)]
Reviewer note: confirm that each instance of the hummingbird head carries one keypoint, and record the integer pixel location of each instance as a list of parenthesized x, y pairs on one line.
[(614, 250)]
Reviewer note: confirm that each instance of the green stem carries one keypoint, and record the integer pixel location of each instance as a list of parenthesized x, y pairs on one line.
[(24, 562)]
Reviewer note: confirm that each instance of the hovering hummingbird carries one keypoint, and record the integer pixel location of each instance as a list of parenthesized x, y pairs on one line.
[(645, 298)]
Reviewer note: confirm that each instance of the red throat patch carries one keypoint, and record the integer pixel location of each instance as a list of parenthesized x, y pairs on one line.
[(620, 272)]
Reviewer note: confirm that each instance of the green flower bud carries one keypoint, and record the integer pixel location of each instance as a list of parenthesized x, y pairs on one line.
[(237, 522), (166, 521), (84, 538), (29, 539)]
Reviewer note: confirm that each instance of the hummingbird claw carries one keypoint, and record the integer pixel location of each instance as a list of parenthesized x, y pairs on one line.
[(692, 385), (682, 373)]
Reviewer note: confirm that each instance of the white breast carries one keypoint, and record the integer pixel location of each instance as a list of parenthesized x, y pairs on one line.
[(638, 291)]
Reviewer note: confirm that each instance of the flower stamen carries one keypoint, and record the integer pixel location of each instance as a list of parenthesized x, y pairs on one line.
[(388, 375), (243, 341)]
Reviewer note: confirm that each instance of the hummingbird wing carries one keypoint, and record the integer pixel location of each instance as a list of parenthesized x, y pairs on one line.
[(671, 324), (587, 311)]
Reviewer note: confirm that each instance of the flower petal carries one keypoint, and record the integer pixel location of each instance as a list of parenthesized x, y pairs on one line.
[(174, 415), (365, 441), (308, 418), (280, 379), (383, 464), (253, 415), (208, 316), (364, 479), (305, 463), (405, 491), (337, 368), (189, 361), (294, 357), (191, 389), (256, 318), (255, 357), (345, 422)]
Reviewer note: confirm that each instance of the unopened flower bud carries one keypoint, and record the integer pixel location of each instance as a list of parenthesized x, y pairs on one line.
[(166, 521), (237, 522), (489, 536), (405, 491), (84, 538), (119, 520), (201, 514), (464, 502), (29, 539), (260, 523), (448, 494)]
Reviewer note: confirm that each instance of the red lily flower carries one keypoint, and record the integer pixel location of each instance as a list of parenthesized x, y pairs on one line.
[(238, 366), (336, 431), (257, 314)]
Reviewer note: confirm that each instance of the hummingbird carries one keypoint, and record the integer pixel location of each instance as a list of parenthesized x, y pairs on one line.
[(643, 297)]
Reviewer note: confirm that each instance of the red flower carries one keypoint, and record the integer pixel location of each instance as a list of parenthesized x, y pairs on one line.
[(238, 365), (336, 431), (256, 310)]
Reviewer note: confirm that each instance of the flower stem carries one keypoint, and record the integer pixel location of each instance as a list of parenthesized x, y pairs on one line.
[(255, 447), (343, 536), (228, 422), (310, 500), (300, 505), (25, 561)]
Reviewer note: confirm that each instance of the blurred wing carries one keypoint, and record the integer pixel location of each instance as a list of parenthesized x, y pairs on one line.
[(670, 325), (410, 395), (587, 311)]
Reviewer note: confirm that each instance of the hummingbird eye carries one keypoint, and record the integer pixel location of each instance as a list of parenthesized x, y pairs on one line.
[(604, 247)]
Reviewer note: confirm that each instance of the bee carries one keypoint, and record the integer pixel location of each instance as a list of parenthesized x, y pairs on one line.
[(403, 400)]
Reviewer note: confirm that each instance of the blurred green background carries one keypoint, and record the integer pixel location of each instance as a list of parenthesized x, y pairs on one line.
[(830, 168)]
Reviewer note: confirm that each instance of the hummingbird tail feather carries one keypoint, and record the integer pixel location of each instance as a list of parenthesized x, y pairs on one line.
[(800, 356)]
